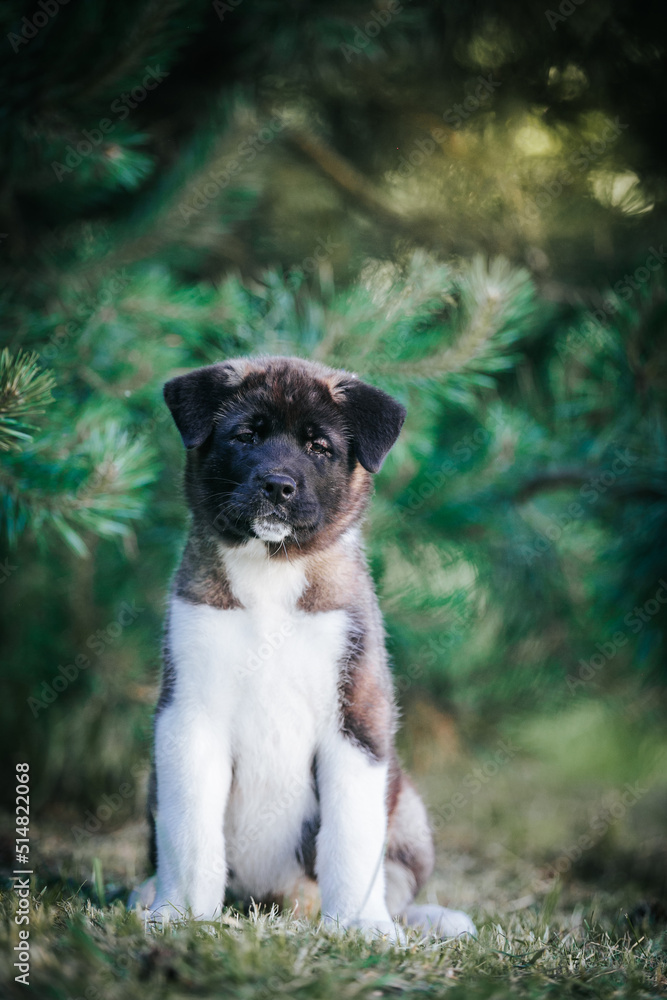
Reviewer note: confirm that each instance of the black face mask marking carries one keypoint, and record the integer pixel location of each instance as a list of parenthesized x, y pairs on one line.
[(273, 450)]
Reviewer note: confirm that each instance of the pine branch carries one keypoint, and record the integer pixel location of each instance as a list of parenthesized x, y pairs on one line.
[(25, 391), (378, 317), (111, 470), (493, 296), (178, 217), (150, 23)]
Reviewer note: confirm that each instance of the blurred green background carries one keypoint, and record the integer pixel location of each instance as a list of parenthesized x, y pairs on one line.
[(463, 203)]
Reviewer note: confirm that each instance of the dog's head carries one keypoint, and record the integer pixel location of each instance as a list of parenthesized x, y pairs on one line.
[(280, 449)]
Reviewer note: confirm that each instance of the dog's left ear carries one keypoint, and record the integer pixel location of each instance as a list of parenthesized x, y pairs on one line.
[(375, 421), (195, 398)]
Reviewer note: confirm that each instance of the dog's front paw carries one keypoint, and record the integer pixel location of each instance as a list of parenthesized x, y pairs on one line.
[(439, 921), (167, 912), (163, 912), (143, 895), (372, 929), (152, 904)]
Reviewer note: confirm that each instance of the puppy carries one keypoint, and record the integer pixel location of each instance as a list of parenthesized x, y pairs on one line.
[(274, 731)]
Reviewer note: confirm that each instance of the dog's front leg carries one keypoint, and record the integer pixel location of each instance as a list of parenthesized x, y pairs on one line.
[(351, 842), (193, 771)]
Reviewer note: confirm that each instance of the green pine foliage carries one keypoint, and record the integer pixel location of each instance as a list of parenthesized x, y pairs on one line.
[(481, 568), (25, 392), (465, 204), (179, 191)]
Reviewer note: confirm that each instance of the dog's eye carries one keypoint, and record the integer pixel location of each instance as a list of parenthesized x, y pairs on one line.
[(247, 437), (319, 448)]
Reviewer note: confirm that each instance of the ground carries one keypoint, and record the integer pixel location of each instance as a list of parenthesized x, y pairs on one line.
[(552, 837)]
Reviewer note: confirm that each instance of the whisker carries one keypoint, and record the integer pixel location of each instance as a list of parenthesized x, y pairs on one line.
[(219, 479)]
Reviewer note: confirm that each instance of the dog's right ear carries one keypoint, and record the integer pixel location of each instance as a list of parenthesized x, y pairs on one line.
[(195, 398)]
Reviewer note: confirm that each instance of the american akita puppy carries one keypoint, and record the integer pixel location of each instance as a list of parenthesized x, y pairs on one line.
[(274, 730)]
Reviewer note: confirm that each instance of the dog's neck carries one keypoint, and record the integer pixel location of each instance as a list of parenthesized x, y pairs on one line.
[(254, 573), (258, 579)]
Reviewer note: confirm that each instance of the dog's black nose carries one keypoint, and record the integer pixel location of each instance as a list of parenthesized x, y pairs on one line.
[(278, 488)]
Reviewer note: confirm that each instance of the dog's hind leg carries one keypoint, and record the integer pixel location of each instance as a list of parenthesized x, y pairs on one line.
[(409, 862), (409, 857)]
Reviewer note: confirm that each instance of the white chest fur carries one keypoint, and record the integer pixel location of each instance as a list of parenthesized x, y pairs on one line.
[(265, 679)]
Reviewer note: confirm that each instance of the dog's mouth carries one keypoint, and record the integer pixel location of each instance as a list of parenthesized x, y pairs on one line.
[(264, 520), (267, 523), (271, 528)]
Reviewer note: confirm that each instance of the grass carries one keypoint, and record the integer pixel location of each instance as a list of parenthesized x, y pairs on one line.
[(597, 930), (81, 950)]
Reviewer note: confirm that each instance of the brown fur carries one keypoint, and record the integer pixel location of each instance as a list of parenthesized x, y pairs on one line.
[(201, 576)]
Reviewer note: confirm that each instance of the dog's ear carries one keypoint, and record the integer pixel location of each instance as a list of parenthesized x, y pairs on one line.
[(194, 399), (375, 421)]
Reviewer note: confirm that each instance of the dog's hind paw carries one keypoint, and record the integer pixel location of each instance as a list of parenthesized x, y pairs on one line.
[(439, 922)]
